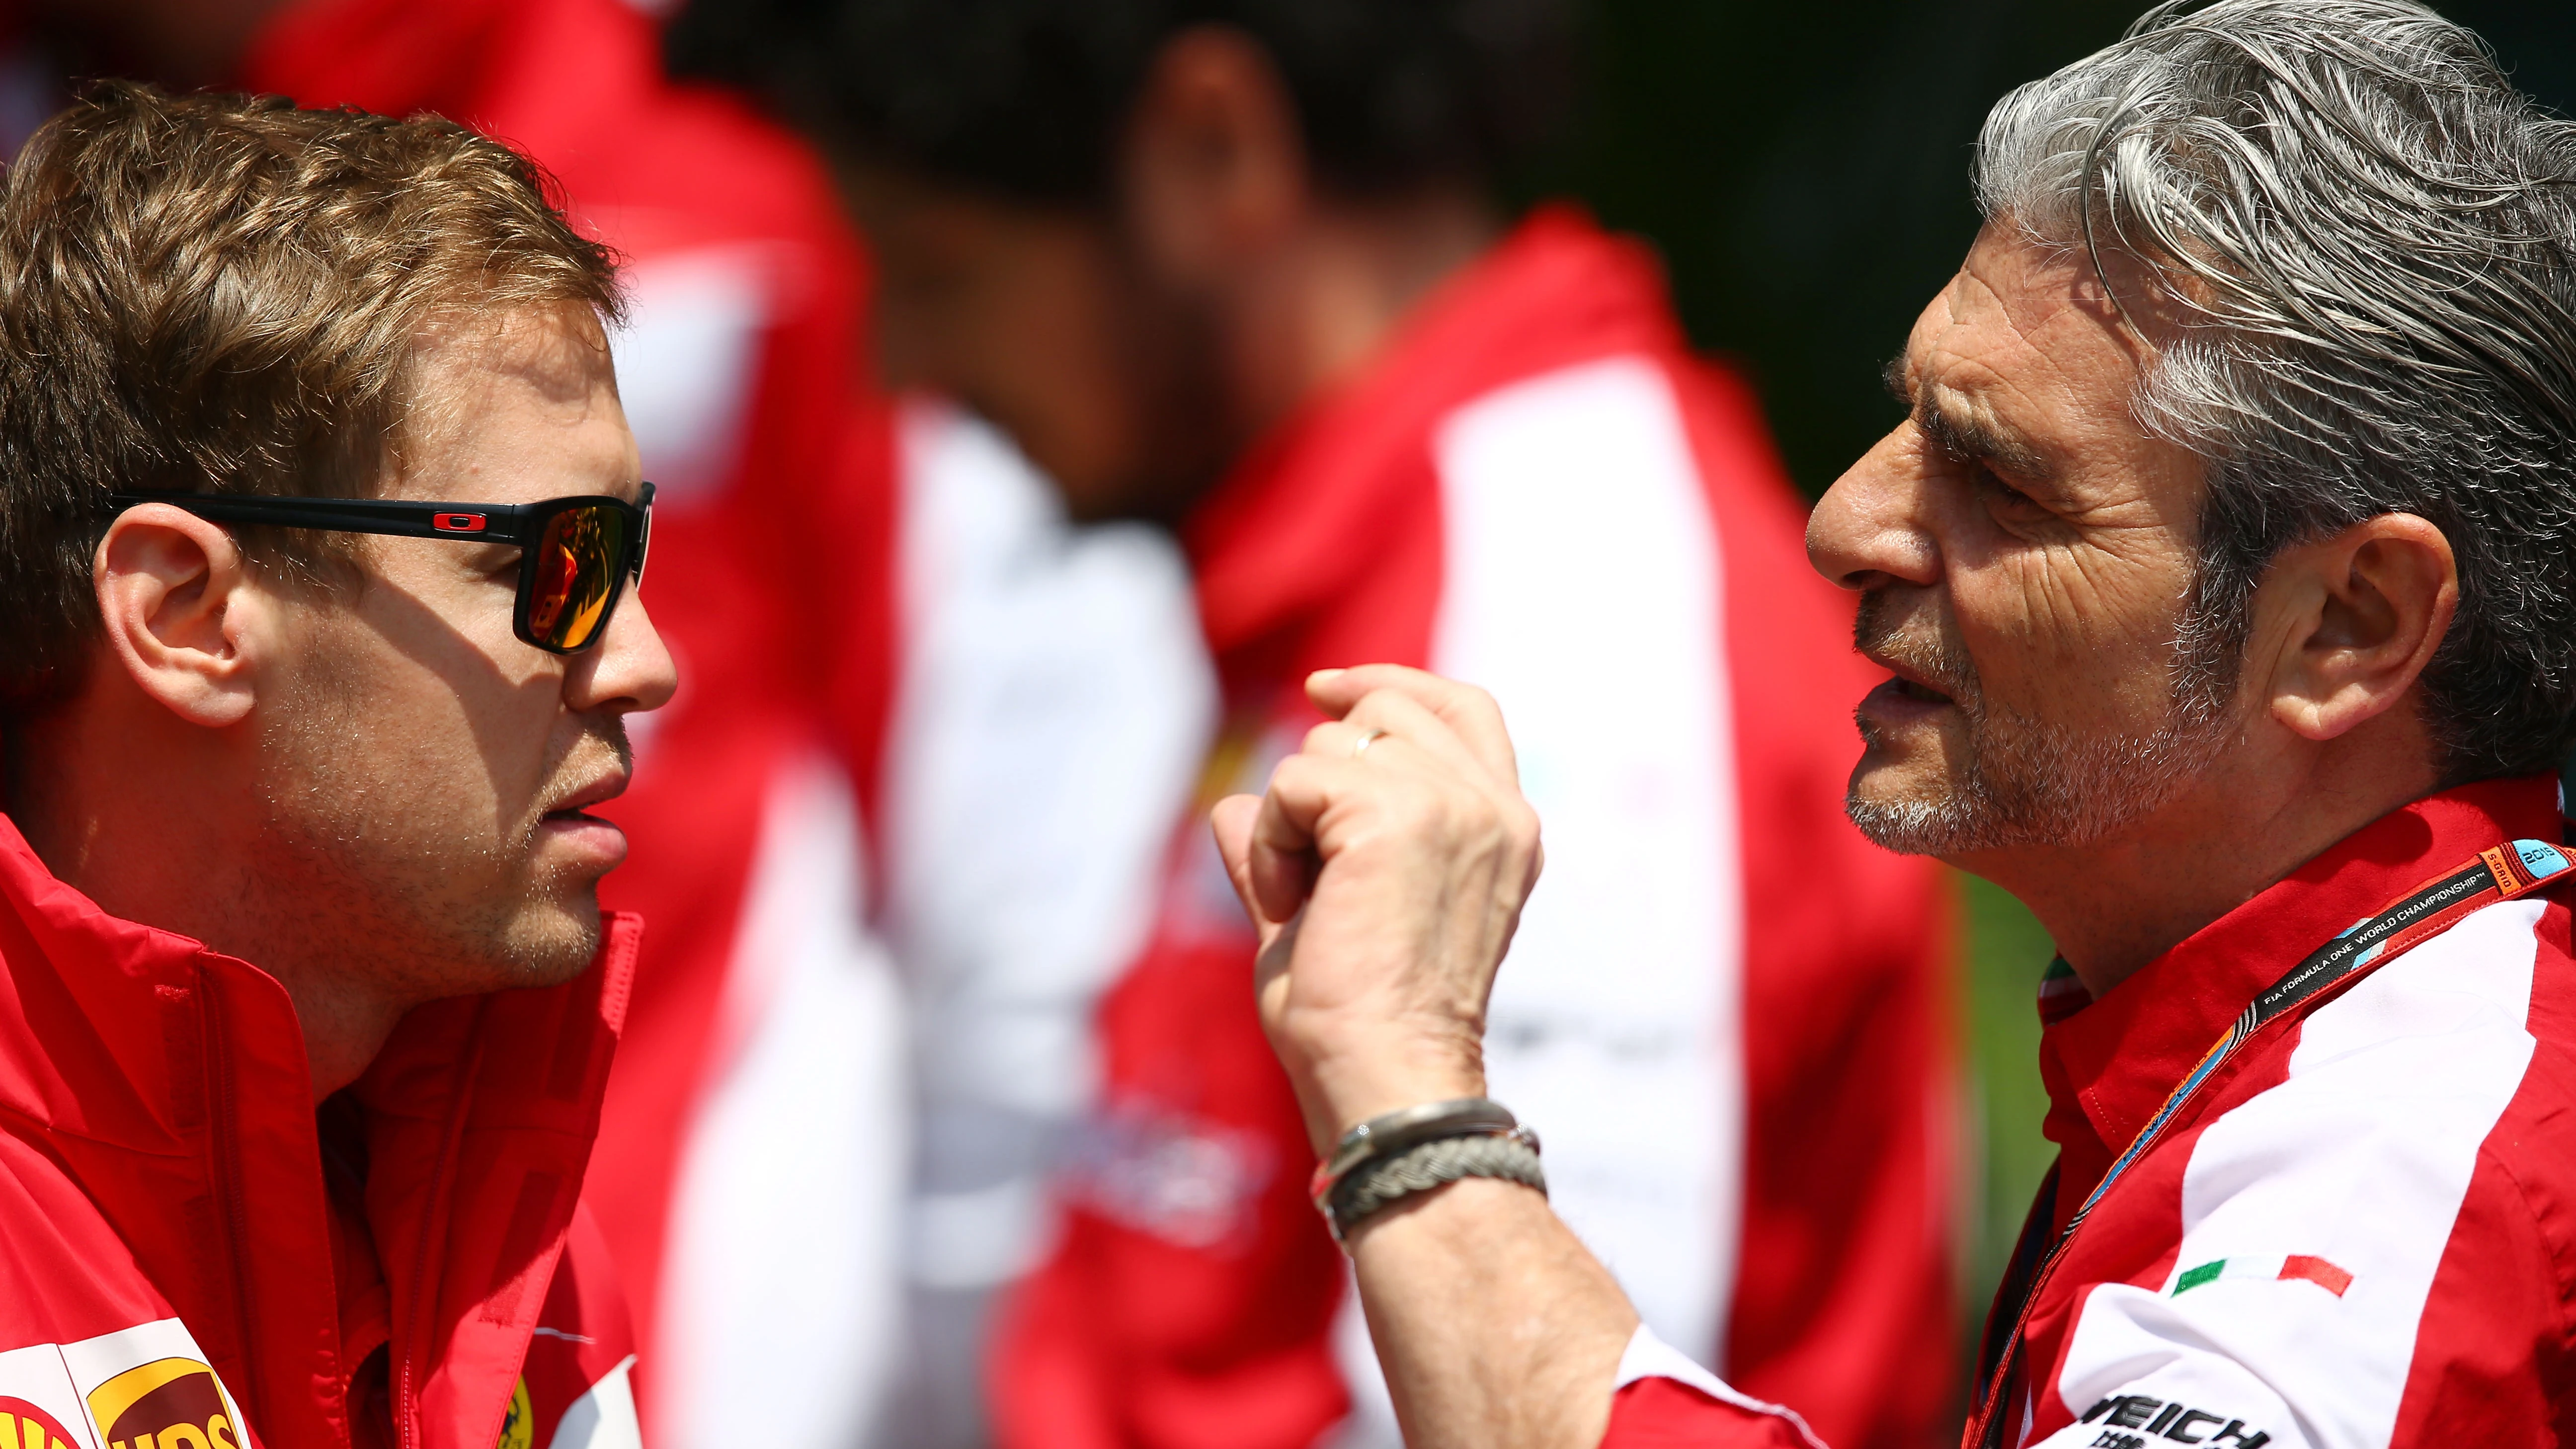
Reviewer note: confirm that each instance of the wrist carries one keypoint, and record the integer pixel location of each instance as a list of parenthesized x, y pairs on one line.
[(1357, 1077)]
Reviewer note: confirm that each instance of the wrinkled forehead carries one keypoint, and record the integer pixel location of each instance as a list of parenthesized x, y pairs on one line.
[(2025, 339), (2023, 314)]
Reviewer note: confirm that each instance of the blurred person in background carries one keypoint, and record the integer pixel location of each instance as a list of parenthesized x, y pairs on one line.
[(989, 692), (1235, 267)]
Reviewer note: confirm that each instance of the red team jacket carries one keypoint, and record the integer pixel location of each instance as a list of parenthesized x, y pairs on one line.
[(166, 1231), (1725, 1010), (771, 572), (2360, 1231)]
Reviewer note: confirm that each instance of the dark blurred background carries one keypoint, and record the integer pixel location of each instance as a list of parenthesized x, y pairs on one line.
[(1803, 167)]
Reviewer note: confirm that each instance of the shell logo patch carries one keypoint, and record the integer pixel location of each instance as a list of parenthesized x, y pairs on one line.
[(518, 1427), (24, 1426), (169, 1403)]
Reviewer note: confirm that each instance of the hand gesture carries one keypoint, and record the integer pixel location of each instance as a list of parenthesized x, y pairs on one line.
[(1385, 870)]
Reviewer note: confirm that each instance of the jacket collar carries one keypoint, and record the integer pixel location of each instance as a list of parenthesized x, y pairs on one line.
[(2109, 1066), (169, 1081)]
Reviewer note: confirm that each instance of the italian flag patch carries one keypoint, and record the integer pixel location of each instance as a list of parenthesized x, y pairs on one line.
[(2282, 1269)]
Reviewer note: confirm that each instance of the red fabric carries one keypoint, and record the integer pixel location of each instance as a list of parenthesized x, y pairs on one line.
[(1663, 1414), (159, 1158), (2491, 1356), (586, 1331), (2501, 1270), (775, 589), (1160, 1323), (2110, 1067)]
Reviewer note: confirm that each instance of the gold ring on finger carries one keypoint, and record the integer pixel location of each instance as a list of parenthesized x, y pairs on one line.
[(1366, 740)]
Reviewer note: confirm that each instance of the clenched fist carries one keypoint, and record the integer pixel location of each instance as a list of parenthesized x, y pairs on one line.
[(1385, 869)]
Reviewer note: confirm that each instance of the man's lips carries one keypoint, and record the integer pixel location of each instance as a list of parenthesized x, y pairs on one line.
[(598, 792), (1905, 684), (1899, 701), (569, 825)]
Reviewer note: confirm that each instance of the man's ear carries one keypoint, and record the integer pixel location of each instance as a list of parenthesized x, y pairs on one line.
[(2357, 617), (171, 594)]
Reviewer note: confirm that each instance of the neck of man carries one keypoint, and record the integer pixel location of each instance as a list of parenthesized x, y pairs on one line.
[(2271, 803), (1317, 306), (162, 823)]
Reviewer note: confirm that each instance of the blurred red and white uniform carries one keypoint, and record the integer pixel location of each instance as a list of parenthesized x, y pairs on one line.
[(1725, 1011), (1055, 701), (857, 591)]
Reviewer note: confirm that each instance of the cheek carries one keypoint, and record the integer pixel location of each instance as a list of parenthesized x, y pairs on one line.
[(455, 697), (2074, 631)]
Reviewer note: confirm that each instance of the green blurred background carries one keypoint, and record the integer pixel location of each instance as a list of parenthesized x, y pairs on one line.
[(1803, 167)]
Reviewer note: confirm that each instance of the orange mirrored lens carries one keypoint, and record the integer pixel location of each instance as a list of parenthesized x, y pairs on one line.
[(576, 576)]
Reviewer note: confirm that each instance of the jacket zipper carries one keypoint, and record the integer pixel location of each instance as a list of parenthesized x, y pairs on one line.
[(226, 1125), (424, 1293)]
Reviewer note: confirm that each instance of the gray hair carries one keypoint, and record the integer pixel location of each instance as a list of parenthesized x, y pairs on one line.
[(2370, 239)]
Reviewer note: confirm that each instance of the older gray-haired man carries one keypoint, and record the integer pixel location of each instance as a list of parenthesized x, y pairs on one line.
[(2225, 574)]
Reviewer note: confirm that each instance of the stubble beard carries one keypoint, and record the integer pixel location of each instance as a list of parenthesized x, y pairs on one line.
[(2027, 780), (376, 877)]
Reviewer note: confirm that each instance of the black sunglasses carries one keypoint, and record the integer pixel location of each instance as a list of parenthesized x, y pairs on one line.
[(575, 554)]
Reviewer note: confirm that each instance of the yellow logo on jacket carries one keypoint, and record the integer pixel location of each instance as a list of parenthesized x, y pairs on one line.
[(169, 1403), (24, 1426), (519, 1426)]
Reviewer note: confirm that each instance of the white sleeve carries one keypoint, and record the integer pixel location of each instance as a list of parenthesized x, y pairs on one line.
[(1649, 1357)]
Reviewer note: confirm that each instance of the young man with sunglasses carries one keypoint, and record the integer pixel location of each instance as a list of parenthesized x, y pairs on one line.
[(320, 528), (890, 833)]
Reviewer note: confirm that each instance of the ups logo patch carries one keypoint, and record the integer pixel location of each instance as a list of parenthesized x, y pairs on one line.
[(144, 1387), (169, 1403)]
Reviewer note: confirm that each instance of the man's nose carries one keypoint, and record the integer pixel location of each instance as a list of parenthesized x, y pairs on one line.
[(1868, 531), (630, 671)]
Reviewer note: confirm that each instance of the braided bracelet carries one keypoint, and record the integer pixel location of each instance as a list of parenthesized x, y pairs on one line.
[(1388, 1158)]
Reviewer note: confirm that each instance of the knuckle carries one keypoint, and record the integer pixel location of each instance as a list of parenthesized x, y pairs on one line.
[(1291, 773)]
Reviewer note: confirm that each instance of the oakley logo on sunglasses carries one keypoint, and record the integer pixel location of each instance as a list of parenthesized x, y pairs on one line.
[(457, 522)]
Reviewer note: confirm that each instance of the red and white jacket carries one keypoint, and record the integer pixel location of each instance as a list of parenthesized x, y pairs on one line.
[(902, 821), (177, 1267), (1725, 1010), (2359, 1231), (739, 373)]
